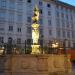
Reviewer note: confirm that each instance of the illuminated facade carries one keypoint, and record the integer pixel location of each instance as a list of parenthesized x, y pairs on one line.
[(57, 21)]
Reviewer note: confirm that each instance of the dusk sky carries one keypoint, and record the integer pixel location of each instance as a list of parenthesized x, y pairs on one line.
[(72, 2)]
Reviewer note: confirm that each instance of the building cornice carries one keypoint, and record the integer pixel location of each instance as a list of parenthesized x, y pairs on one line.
[(62, 3)]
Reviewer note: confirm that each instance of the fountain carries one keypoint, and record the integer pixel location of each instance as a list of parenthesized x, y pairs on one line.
[(35, 63), (35, 32)]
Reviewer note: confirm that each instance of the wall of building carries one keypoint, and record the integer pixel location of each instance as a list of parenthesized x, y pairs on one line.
[(57, 21)]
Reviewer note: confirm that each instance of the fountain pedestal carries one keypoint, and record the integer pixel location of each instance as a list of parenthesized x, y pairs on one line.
[(35, 49), (35, 65)]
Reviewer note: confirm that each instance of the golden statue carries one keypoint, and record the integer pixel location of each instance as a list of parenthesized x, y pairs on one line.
[(35, 32)]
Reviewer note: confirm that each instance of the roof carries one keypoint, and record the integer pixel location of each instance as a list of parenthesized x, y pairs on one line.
[(61, 3), (64, 4)]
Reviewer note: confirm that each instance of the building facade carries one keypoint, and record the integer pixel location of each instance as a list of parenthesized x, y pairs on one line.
[(57, 22)]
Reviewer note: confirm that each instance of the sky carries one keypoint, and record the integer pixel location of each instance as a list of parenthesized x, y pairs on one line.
[(72, 2)]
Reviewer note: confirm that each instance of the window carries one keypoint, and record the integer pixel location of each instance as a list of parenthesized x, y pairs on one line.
[(67, 23), (10, 40), (29, 1), (67, 16), (18, 40), (3, 3), (11, 4), (49, 12), (41, 11), (71, 15), (29, 30), (68, 34), (40, 3), (58, 33), (69, 44), (10, 28), (63, 23), (19, 18), (67, 26), (72, 34), (29, 19), (11, 17), (41, 31), (48, 5), (50, 32), (58, 22), (1, 39), (41, 42), (63, 33), (20, 6), (19, 29), (74, 45), (49, 22), (2, 29), (62, 15), (2, 15), (57, 13), (29, 41), (41, 21)]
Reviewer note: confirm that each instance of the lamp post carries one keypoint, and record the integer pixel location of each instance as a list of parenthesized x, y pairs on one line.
[(54, 46), (9, 46), (1, 50), (64, 45), (25, 47)]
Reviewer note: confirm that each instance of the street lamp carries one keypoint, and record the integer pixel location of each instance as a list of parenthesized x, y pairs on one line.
[(55, 45), (1, 50), (64, 45)]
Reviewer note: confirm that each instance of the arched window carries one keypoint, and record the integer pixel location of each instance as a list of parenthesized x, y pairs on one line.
[(10, 40)]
